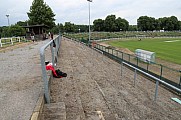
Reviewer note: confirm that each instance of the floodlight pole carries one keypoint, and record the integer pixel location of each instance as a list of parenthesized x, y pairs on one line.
[(8, 19), (89, 21)]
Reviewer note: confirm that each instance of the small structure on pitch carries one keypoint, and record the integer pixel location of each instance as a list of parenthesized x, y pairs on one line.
[(145, 56)]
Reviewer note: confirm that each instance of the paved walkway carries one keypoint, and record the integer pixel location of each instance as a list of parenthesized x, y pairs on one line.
[(20, 81)]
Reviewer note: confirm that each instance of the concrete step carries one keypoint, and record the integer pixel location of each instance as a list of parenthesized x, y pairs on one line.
[(54, 111), (97, 115)]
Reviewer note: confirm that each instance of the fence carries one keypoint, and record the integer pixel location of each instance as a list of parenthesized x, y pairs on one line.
[(162, 72), (54, 54), (12, 40), (151, 76)]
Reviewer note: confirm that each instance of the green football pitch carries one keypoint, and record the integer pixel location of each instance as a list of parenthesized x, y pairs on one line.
[(168, 49)]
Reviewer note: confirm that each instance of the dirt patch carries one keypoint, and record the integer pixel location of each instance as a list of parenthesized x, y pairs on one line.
[(125, 50)]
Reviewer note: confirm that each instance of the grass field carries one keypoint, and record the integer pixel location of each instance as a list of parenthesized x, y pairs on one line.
[(168, 49)]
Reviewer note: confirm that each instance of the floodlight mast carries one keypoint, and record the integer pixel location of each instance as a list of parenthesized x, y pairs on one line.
[(89, 21), (8, 19)]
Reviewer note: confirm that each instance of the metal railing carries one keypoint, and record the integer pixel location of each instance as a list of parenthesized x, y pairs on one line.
[(54, 54), (151, 76), (172, 76)]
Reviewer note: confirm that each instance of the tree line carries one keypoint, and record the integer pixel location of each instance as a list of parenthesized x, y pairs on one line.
[(40, 13), (113, 24)]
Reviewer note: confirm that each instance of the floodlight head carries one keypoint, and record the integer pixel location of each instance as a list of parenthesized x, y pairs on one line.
[(7, 15), (89, 0)]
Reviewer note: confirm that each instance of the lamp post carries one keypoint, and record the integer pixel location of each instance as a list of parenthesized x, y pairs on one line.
[(89, 21), (7, 18)]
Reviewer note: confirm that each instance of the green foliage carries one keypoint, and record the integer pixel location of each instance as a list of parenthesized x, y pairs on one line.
[(111, 24), (58, 28), (98, 25), (22, 23), (132, 28), (16, 30), (81, 28), (146, 23), (69, 27), (40, 13), (121, 24), (13, 30)]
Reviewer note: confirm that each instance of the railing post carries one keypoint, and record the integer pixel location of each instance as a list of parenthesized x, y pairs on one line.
[(147, 66), (161, 71), (156, 90), (52, 52), (45, 79), (137, 61), (122, 68), (0, 43), (19, 39), (180, 79), (135, 76), (11, 41), (122, 55)]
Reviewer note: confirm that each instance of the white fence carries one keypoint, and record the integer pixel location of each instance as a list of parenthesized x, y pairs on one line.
[(11, 40)]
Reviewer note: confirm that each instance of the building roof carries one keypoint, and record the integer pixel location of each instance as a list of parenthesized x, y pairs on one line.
[(33, 26)]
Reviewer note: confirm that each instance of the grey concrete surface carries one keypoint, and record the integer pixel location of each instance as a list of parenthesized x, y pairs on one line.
[(20, 81)]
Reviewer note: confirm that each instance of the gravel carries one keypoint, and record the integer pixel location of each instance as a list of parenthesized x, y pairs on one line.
[(20, 81)]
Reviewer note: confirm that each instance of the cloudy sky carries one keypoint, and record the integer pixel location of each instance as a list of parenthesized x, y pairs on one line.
[(76, 11)]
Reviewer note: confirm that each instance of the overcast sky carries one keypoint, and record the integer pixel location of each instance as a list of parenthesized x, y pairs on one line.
[(76, 11)]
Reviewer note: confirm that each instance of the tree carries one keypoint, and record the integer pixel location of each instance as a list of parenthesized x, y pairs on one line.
[(175, 22), (121, 24), (22, 23), (179, 25), (69, 27), (58, 28), (98, 25), (13, 30), (41, 13), (146, 23), (109, 23), (132, 28), (82, 28), (169, 23)]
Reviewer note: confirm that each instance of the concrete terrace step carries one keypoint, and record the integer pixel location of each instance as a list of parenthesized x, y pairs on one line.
[(97, 115), (54, 111)]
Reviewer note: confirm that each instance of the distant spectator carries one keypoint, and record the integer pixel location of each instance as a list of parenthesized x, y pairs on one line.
[(32, 37), (49, 34), (52, 36)]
